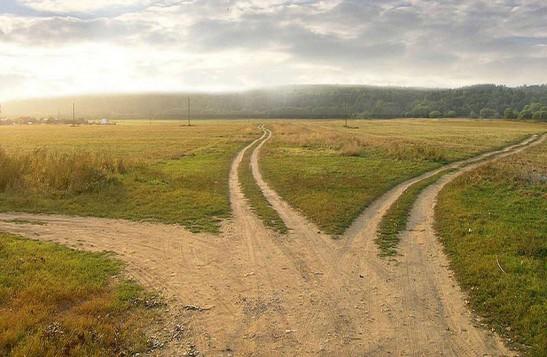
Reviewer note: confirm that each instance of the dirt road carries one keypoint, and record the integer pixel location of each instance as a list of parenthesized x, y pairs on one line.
[(297, 294)]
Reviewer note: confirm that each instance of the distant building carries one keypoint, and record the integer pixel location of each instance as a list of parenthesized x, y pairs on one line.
[(105, 121)]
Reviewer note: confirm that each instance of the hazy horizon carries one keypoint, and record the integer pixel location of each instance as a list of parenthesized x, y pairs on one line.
[(52, 48), (277, 88)]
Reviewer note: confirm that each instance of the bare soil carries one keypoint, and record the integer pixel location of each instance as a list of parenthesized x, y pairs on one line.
[(250, 291)]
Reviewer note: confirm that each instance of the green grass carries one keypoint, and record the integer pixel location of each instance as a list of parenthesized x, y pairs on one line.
[(498, 214), (171, 173), (256, 198), (334, 190), (57, 301), (395, 220), (332, 173)]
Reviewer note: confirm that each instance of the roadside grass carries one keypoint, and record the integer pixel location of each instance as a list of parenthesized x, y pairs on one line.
[(25, 221), (162, 172), (254, 195), (55, 301), (494, 215), (332, 173), (396, 218)]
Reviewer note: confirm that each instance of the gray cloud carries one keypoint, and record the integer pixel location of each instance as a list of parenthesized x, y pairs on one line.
[(420, 42), (62, 30)]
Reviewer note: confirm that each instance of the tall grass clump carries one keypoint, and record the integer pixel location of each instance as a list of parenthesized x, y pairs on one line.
[(11, 171), (48, 171)]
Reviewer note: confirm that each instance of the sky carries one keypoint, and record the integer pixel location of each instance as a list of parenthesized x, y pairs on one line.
[(62, 47)]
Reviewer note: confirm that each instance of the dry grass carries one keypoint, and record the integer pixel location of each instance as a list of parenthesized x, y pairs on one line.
[(58, 172), (432, 140), (161, 172)]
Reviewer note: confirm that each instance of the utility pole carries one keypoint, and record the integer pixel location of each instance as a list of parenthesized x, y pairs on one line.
[(346, 110), (73, 113), (188, 109)]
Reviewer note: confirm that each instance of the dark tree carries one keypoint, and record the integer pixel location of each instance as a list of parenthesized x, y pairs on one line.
[(488, 113)]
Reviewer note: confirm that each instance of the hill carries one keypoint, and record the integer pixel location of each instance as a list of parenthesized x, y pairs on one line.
[(317, 101)]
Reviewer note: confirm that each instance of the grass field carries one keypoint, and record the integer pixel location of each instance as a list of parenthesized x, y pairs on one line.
[(55, 301), (498, 215), (332, 173), (172, 173), (256, 198), (164, 172)]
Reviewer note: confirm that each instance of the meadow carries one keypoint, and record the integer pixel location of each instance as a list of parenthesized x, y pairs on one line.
[(55, 301), (139, 170), (166, 171), (332, 173), (493, 223)]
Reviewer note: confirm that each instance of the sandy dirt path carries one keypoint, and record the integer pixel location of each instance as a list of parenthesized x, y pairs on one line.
[(260, 296), (266, 294), (427, 287), (413, 307)]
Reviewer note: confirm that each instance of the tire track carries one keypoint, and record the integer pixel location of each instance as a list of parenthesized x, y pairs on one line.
[(299, 294), (387, 289)]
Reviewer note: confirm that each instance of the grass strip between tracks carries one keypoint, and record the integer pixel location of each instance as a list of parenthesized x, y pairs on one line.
[(252, 192), (395, 220)]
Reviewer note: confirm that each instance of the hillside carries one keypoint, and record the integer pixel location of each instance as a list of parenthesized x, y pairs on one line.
[(321, 101)]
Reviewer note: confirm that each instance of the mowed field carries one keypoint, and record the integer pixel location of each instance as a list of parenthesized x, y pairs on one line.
[(332, 173), (164, 172)]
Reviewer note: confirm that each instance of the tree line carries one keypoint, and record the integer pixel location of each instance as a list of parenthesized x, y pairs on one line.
[(307, 101)]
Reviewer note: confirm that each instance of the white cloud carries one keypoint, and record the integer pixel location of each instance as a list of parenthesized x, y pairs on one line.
[(226, 44), (67, 6)]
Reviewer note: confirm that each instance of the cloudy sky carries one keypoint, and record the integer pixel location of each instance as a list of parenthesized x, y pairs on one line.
[(57, 47)]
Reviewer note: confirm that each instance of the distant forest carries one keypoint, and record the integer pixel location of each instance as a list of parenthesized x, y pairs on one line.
[(311, 101)]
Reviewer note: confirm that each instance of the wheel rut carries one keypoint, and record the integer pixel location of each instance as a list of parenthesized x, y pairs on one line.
[(405, 311)]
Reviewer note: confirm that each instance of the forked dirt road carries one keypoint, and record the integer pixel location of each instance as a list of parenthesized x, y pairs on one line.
[(303, 293)]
